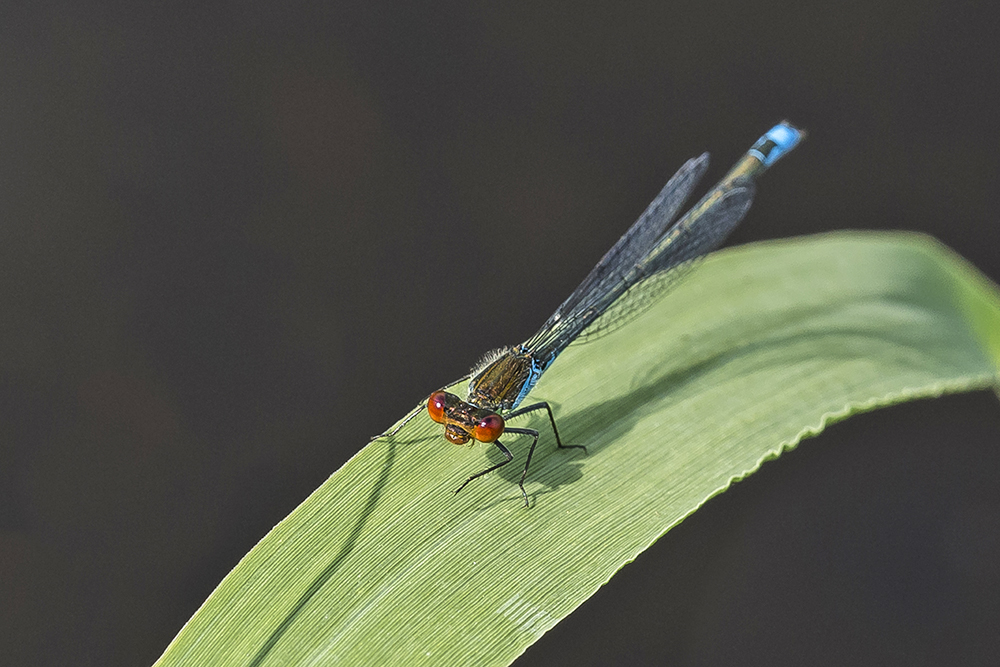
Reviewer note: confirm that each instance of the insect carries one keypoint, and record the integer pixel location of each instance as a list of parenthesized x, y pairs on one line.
[(651, 258)]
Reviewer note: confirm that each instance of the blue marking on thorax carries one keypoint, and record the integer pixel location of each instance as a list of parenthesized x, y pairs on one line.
[(538, 367)]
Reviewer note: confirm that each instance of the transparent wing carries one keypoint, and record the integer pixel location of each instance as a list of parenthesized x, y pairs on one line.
[(647, 261), (634, 245), (677, 257), (663, 264)]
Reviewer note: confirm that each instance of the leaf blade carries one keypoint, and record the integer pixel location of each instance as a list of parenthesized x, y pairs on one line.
[(762, 347)]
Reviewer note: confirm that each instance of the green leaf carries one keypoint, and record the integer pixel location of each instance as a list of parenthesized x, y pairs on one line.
[(763, 346)]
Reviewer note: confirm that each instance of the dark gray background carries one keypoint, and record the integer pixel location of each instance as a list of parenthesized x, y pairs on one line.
[(237, 239)]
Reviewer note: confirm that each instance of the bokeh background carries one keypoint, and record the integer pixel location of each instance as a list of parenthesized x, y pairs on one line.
[(236, 239)]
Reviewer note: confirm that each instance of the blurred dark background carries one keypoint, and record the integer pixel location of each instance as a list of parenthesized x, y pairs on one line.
[(236, 239)]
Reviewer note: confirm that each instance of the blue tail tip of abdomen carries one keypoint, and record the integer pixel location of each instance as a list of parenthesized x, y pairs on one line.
[(779, 140)]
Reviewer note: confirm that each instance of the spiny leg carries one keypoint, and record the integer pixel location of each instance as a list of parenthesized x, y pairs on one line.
[(538, 406), (413, 413), (534, 434), (506, 452)]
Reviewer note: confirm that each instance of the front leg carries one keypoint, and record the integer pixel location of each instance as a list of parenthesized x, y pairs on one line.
[(510, 457), (505, 451), (391, 432)]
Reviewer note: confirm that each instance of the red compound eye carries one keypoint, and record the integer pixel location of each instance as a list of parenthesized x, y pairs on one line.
[(435, 406), (489, 428)]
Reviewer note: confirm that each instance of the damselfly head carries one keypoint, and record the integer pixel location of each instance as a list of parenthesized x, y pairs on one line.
[(463, 420)]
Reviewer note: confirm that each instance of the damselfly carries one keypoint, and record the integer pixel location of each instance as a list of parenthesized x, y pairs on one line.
[(646, 262)]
